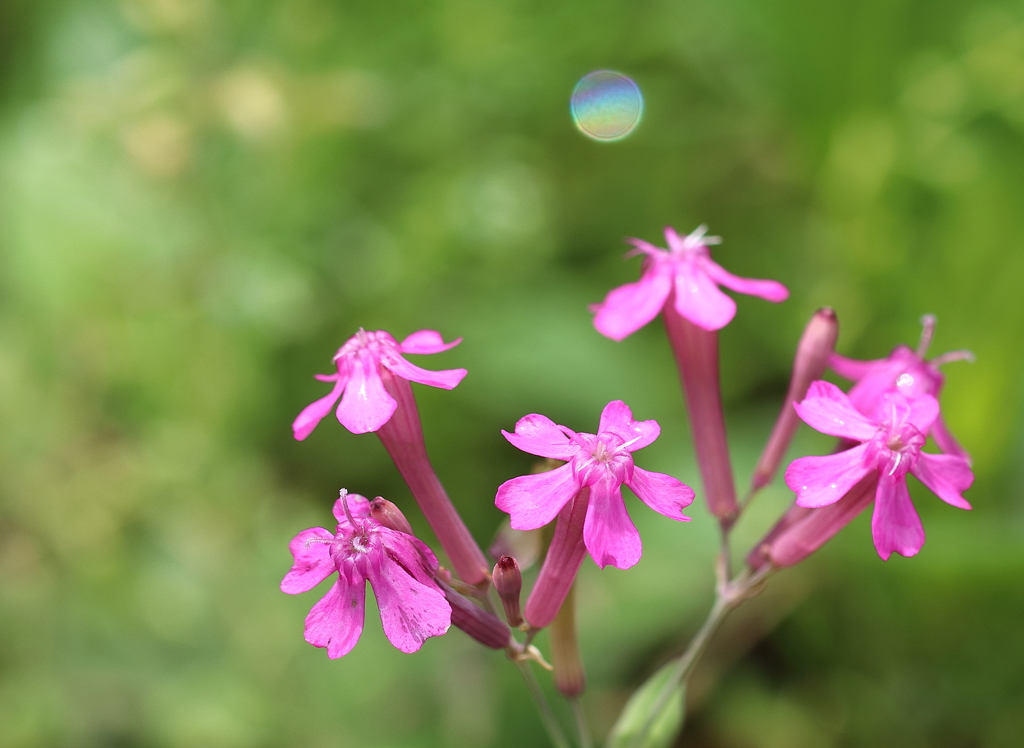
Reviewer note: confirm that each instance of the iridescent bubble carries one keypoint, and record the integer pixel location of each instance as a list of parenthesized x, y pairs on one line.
[(606, 105)]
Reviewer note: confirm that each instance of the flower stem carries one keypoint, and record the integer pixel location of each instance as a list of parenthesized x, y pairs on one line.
[(581, 723), (727, 597), (547, 714)]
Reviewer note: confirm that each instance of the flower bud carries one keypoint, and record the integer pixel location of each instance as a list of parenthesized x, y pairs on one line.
[(389, 515), (508, 583), (816, 344), (485, 627)]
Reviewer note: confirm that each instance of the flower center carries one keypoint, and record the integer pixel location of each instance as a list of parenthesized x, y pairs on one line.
[(896, 448), (603, 454), (377, 342)]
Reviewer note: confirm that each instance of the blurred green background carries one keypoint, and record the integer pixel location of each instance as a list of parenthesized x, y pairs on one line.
[(199, 201)]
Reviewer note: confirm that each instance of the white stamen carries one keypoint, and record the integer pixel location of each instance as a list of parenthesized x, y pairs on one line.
[(899, 456), (947, 358), (310, 541), (927, 331)]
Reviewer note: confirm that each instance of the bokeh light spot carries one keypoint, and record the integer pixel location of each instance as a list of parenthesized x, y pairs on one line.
[(606, 105)]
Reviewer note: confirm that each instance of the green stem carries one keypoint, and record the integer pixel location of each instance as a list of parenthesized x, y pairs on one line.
[(547, 714), (581, 724), (727, 597)]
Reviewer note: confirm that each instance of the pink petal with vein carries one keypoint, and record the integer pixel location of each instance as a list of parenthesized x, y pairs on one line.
[(828, 409), (446, 379), (608, 532), (628, 308), (541, 436), (337, 620), (947, 476), (410, 611), (366, 406), (426, 341), (662, 493), (766, 289), (895, 526), (699, 300), (820, 481), (313, 562), (532, 501), (618, 419), (313, 413), (411, 553)]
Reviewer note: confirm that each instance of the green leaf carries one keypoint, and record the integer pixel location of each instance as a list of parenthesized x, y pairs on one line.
[(639, 712)]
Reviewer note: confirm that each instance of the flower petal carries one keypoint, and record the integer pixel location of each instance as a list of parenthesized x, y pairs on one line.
[(410, 610), (608, 532), (618, 419), (313, 562), (809, 529), (895, 526), (446, 379), (766, 289), (426, 341), (628, 308), (539, 435), (921, 411), (662, 493), (828, 409), (699, 300), (366, 405), (851, 368), (337, 620), (947, 476), (946, 441), (313, 413), (358, 505), (411, 553), (532, 501), (924, 409), (820, 481)]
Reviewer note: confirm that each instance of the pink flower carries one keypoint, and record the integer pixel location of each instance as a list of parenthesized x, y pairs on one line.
[(905, 371), (366, 405), (602, 462), (400, 570), (688, 270), (889, 445)]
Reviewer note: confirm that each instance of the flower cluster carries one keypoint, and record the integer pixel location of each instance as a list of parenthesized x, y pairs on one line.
[(882, 425)]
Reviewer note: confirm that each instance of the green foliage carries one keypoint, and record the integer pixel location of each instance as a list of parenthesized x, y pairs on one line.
[(647, 714)]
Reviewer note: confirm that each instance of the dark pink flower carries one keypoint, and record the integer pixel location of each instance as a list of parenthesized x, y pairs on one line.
[(365, 405), (602, 462), (890, 445), (905, 371), (687, 269), (399, 567)]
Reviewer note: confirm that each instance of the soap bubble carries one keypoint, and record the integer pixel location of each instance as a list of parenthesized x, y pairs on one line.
[(606, 105)]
